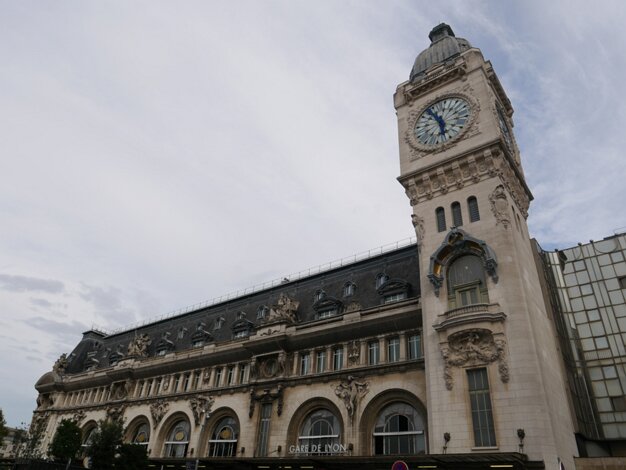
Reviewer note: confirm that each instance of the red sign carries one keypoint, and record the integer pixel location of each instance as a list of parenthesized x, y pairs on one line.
[(399, 465)]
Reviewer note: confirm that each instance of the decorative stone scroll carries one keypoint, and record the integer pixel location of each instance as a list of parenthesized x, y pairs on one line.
[(351, 391), (138, 347), (475, 347), (500, 206), (158, 410), (418, 224), (201, 407), (284, 310)]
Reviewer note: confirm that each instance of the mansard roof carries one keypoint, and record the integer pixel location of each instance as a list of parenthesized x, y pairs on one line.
[(219, 322)]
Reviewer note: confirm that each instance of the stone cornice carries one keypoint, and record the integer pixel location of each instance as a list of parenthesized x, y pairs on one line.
[(488, 161)]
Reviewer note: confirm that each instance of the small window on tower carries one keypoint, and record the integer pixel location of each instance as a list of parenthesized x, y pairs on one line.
[(472, 208), (440, 214), (457, 218)]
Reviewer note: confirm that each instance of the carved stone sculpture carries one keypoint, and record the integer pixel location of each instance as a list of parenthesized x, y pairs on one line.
[(418, 224), (44, 400), (354, 351), (285, 309), (138, 347), (158, 410), (78, 416), (500, 206), (61, 364), (201, 407), (472, 348), (267, 396), (351, 391), (115, 413)]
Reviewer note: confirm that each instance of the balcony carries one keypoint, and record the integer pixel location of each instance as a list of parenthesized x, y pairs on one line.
[(470, 314)]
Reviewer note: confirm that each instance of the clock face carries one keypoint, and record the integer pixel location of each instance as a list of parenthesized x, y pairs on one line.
[(442, 121)]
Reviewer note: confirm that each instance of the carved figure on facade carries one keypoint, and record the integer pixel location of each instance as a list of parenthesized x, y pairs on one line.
[(44, 400), (285, 309), (351, 391), (78, 416), (61, 364), (418, 225), (472, 348), (39, 423), (354, 351), (201, 407), (138, 347), (500, 206), (115, 413), (158, 410), (353, 307)]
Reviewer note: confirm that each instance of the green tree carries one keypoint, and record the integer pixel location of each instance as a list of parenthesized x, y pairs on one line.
[(104, 445), (3, 426), (66, 442), (131, 457)]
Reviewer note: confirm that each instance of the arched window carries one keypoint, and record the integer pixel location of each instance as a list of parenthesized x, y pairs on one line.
[(88, 436), (320, 434), (457, 217), (223, 442), (349, 288), (142, 434), (399, 429), (472, 208), (178, 440), (262, 312), (466, 282), (381, 278), (440, 214)]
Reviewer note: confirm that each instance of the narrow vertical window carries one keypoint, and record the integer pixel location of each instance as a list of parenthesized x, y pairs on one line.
[(218, 376), (176, 382), (186, 383), (415, 346), (196, 379), (440, 214), (373, 355), (482, 415), (320, 365), (457, 218), (264, 430), (230, 376), (472, 208), (338, 358), (243, 371), (393, 350), (305, 363)]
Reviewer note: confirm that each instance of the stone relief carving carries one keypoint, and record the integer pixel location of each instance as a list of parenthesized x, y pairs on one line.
[(158, 410), (500, 206), (285, 309), (115, 413), (269, 332), (138, 347), (473, 348), (78, 416), (353, 307), (351, 391), (418, 224), (61, 364), (201, 407), (39, 423), (44, 400), (120, 390), (354, 351)]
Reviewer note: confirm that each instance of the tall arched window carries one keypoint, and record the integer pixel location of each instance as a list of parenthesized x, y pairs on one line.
[(457, 217), (178, 440), (87, 435), (320, 433), (440, 214), (466, 282), (223, 442), (141, 435), (399, 429), (472, 208)]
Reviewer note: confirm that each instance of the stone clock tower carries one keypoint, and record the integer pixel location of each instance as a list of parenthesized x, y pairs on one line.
[(495, 380)]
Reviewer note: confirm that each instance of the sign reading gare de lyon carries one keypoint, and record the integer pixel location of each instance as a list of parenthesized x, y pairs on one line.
[(323, 449)]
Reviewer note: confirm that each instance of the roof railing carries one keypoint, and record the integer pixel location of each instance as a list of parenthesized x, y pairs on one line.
[(263, 286)]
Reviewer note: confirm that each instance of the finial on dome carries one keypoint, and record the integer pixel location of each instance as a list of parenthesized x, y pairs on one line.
[(440, 31)]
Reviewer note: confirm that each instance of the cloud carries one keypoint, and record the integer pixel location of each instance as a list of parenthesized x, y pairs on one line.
[(26, 284), (41, 302)]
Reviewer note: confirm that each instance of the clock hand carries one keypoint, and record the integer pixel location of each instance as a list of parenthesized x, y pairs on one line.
[(440, 121)]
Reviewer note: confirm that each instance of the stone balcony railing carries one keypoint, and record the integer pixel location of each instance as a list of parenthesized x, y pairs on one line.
[(470, 314)]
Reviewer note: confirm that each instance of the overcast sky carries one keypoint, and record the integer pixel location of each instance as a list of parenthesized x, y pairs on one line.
[(156, 154)]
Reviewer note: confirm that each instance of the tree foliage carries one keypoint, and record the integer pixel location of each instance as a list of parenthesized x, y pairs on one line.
[(105, 441), (3, 426), (66, 442), (132, 457)]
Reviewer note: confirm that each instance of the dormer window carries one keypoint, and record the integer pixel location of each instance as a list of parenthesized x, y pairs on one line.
[(218, 323), (201, 336), (393, 290), (241, 334), (262, 312), (164, 345), (181, 332), (319, 295), (348, 289), (381, 278), (241, 315)]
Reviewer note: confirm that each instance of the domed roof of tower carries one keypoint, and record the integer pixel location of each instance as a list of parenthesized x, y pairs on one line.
[(443, 46)]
